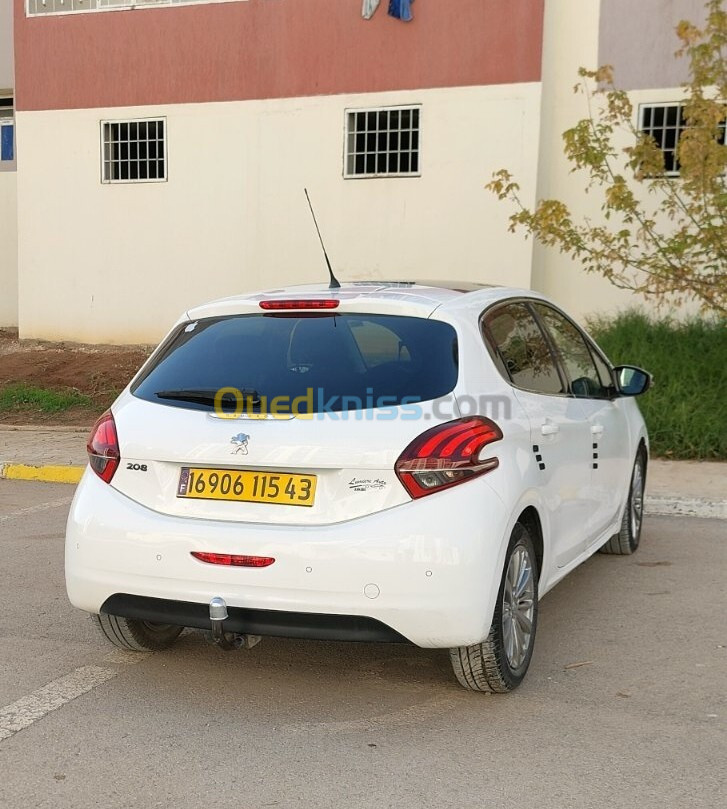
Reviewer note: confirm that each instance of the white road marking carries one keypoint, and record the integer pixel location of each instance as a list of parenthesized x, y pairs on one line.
[(64, 501), (29, 709)]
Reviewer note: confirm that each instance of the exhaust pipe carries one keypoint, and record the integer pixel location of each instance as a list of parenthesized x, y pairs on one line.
[(228, 641)]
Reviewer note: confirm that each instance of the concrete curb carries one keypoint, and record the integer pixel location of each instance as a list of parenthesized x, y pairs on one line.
[(50, 428), (673, 506), (46, 474)]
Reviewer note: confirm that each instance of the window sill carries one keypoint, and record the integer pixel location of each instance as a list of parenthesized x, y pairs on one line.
[(381, 176)]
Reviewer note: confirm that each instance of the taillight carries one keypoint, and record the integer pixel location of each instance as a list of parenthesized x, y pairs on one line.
[(305, 303), (103, 448), (233, 560), (447, 455)]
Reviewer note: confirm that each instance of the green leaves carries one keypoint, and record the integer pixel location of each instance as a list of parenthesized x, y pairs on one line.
[(661, 236)]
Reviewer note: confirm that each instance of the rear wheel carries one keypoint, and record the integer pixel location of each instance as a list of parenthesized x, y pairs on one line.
[(139, 636), (499, 663), (627, 539)]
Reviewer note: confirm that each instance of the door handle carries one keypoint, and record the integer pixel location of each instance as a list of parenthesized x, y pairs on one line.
[(549, 429), (597, 429)]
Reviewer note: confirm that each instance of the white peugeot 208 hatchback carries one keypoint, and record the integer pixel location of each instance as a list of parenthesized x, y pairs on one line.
[(397, 462)]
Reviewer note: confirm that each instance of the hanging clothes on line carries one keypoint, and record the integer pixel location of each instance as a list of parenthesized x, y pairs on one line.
[(369, 8), (401, 9)]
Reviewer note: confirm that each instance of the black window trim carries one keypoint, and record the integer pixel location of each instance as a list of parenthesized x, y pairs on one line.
[(159, 353), (557, 359), (590, 345), (492, 348)]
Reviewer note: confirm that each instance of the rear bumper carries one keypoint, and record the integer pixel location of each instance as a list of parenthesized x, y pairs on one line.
[(243, 620), (428, 570)]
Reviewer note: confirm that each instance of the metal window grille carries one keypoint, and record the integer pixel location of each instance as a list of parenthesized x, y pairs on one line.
[(382, 142), (665, 123), (60, 6), (35, 7), (134, 151)]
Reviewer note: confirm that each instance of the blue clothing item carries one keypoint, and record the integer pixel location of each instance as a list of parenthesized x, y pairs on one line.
[(401, 9), (7, 152)]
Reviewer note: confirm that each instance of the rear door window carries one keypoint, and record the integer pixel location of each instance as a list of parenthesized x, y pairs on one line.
[(587, 379), (520, 349), (336, 361)]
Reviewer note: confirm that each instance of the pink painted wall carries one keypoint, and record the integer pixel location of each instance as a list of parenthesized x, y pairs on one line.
[(269, 49)]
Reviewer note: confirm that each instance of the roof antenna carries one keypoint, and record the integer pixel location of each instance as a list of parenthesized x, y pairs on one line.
[(334, 281)]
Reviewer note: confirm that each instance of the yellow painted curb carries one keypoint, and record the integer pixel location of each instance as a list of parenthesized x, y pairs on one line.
[(47, 474)]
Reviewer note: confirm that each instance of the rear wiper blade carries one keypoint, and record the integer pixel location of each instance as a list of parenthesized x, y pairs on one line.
[(204, 395)]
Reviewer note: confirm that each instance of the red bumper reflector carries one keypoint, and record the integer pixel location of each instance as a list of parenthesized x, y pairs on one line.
[(233, 561), (309, 303)]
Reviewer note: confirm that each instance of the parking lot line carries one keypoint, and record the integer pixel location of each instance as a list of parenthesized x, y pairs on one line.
[(29, 709), (63, 501)]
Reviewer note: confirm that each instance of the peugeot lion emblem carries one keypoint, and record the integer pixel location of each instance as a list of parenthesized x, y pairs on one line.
[(240, 441)]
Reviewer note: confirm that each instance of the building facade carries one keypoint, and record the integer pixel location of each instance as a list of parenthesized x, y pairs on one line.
[(162, 147), (8, 173)]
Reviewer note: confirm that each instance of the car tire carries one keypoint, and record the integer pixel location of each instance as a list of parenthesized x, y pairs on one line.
[(497, 665), (627, 540), (137, 636)]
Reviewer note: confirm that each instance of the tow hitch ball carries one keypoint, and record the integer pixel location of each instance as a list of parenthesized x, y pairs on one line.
[(227, 640)]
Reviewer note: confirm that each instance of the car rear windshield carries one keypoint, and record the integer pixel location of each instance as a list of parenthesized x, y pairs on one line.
[(335, 362)]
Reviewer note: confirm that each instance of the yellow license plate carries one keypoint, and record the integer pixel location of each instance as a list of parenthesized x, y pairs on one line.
[(244, 486)]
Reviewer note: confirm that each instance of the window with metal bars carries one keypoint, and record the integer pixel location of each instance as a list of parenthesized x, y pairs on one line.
[(382, 142), (133, 151), (665, 123), (37, 7), (7, 134)]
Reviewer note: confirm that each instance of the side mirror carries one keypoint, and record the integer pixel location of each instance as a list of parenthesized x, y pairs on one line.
[(632, 381)]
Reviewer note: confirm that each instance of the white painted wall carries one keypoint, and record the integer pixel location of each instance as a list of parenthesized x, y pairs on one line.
[(118, 263), (8, 186), (8, 249), (624, 25), (570, 41)]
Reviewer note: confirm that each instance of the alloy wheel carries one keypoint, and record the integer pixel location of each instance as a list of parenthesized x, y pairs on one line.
[(518, 606), (637, 499)]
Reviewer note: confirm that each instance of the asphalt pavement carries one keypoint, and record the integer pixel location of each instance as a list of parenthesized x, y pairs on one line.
[(625, 704)]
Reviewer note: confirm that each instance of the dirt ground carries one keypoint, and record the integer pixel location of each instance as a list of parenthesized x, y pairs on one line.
[(98, 371)]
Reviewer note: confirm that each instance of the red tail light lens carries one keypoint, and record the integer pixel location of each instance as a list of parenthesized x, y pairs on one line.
[(311, 303), (446, 455), (233, 561), (103, 448)]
